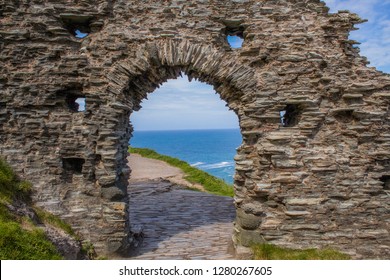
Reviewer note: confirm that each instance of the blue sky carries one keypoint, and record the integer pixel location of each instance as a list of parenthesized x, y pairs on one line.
[(373, 35), (178, 104)]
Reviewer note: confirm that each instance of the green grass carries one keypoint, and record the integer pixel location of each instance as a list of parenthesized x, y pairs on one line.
[(272, 252), (17, 242), (194, 175), (10, 186), (53, 220)]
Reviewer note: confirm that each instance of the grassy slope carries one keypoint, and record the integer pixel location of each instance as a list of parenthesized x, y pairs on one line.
[(19, 238), (210, 183)]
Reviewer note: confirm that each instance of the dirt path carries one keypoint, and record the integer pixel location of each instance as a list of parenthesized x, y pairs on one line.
[(176, 223), (151, 169)]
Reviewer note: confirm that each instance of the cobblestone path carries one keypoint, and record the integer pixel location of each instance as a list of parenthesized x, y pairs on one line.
[(180, 224)]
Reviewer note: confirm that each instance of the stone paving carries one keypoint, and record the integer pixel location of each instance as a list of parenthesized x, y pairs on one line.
[(180, 224)]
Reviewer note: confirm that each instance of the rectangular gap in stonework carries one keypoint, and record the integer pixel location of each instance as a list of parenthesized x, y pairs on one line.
[(73, 165), (385, 179), (290, 115)]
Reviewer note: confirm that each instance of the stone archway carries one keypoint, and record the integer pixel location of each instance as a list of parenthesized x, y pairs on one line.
[(319, 178), (166, 59)]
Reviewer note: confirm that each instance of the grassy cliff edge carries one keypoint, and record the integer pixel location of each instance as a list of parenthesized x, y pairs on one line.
[(194, 175)]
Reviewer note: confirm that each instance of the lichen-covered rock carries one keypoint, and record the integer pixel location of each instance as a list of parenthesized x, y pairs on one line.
[(321, 174)]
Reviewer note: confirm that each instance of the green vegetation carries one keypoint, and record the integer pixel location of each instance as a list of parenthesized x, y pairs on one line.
[(10, 186), (194, 175), (273, 252), (53, 220), (19, 238), (89, 250), (17, 243)]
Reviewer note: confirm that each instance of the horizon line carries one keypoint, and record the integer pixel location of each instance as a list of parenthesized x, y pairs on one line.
[(184, 129)]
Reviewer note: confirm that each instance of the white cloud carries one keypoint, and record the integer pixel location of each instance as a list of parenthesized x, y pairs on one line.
[(374, 35), (179, 104), (365, 8)]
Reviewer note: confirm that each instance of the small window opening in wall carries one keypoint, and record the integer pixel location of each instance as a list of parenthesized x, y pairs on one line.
[(76, 104), (77, 25), (73, 165), (235, 36), (385, 179), (290, 115)]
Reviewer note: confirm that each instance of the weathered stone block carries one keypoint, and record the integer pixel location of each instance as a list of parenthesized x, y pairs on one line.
[(247, 220), (249, 237)]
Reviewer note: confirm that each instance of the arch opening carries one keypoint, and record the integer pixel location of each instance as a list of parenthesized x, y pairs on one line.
[(201, 145), (180, 105), (132, 81)]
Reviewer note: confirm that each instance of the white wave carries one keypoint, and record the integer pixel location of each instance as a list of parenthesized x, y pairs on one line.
[(218, 165), (197, 163)]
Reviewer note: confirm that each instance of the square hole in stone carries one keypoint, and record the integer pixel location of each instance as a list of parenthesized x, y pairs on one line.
[(290, 115), (385, 179), (73, 165)]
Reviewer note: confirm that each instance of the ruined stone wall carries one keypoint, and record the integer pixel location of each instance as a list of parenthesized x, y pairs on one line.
[(321, 179)]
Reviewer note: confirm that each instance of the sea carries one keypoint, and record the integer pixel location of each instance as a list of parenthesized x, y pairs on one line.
[(210, 150)]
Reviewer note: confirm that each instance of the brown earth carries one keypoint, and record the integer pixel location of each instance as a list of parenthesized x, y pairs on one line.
[(150, 169)]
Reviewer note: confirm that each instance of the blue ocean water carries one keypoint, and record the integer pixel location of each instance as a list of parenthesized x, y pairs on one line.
[(209, 150)]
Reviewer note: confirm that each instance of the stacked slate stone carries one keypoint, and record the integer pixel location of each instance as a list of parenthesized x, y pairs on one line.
[(319, 178)]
